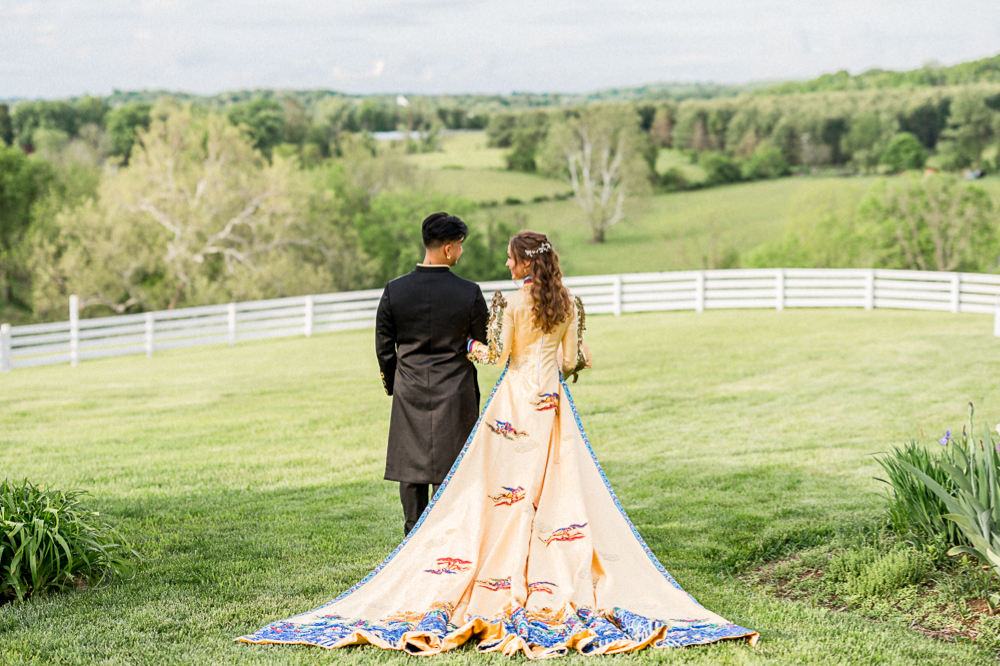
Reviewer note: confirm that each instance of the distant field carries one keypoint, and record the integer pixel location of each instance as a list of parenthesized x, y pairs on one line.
[(670, 159), (251, 478), (466, 168), (706, 228), (693, 230)]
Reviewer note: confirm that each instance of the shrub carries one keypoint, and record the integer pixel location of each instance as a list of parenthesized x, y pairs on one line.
[(865, 572), (904, 152), (51, 540), (915, 511), (767, 161), (720, 168), (673, 179)]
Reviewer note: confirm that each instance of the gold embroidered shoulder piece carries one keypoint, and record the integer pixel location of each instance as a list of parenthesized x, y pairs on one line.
[(581, 355), (489, 354)]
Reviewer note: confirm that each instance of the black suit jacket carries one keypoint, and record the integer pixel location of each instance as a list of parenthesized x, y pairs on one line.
[(423, 322)]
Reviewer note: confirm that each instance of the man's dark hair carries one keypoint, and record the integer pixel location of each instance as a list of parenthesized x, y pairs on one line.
[(441, 228)]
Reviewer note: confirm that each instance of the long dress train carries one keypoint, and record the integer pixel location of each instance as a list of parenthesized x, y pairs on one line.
[(525, 547)]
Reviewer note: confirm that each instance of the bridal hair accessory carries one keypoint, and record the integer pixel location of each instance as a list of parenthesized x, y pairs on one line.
[(544, 247)]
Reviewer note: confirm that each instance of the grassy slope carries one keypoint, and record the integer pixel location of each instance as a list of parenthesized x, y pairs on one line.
[(679, 231), (250, 478)]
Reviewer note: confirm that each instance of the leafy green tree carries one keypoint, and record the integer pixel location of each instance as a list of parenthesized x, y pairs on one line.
[(662, 130), (529, 132), (833, 130), (297, 122), (484, 254), (767, 161), (6, 126), (932, 222), (122, 124), (23, 182), (90, 111), (263, 120), (926, 121), (376, 117), (969, 131), (867, 138), (904, 152), (500, 130), (197, 217), (600, 153), (30, 116), (720, 168)]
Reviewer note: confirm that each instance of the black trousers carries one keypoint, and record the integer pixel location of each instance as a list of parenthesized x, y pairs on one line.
[(415, 500)]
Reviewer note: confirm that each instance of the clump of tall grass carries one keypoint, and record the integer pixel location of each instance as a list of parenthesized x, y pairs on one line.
[(914, 510), (49, 539)]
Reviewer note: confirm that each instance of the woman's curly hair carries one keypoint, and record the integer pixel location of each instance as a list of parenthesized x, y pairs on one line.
[(553, 304)]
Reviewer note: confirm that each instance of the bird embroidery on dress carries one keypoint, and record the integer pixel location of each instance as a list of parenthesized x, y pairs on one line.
[(511, 496), (506, 430), (408, 617), (546, 401), (541, 586), (571, 533), (450, 565), (494, 584)]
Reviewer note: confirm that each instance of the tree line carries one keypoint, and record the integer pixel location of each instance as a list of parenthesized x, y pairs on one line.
[(167, 204), (765, 136), (191, 207)]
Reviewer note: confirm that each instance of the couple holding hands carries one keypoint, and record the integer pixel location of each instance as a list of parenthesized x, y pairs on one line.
[(524, 545)]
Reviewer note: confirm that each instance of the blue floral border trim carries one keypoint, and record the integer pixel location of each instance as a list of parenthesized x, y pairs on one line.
[(615, 631)]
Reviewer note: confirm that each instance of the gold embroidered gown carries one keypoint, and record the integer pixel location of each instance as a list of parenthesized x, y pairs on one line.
[(525, 547)]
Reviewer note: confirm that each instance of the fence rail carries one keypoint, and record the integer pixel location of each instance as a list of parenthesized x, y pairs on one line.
[(83, 339)]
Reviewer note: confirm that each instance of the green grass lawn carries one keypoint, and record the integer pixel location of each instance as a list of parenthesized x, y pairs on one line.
[(465, 167), (250, 478), (675, 159)]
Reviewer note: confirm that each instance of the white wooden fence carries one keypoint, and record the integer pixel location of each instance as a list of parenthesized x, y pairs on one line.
[(82, 339)]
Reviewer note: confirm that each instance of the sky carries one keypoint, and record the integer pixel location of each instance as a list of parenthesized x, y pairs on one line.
[(59, 48)]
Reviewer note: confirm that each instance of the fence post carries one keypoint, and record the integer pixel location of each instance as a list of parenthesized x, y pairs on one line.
[(616, 302), (956, 291), (870, 289), (699, 291), (309, 317), (779, 301), (5, 347), (232, 324), (149, 334), (74, 330), (996, 320)]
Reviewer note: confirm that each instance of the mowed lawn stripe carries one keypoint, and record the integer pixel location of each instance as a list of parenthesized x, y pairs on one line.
[(250, 478)]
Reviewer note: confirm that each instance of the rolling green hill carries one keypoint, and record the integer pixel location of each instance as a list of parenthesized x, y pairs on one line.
[(986, 70), (707, 228)]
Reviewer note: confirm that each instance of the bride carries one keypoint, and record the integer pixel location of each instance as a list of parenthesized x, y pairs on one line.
[(525, 547)]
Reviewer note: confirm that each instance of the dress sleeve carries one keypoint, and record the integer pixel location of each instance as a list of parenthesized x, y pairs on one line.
[(499, 334), (385, 342), (573, 350)]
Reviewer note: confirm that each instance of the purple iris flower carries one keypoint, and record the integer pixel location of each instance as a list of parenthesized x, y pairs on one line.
[(946, 439)]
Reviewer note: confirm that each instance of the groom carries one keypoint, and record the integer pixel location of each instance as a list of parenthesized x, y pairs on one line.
[(423, 323)]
